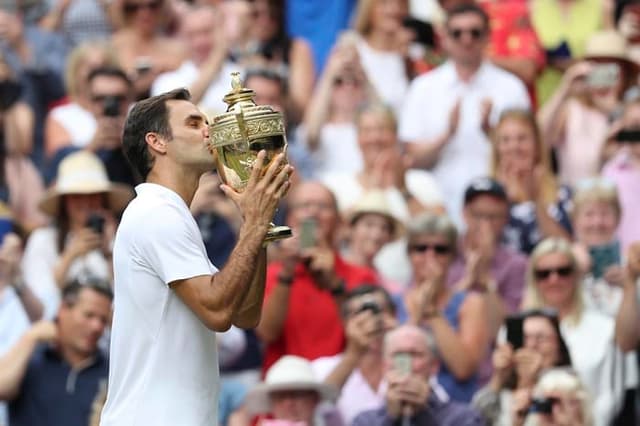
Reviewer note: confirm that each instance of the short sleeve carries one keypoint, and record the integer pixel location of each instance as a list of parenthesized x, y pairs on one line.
[(171, 245), (411, 120), (323, 366)]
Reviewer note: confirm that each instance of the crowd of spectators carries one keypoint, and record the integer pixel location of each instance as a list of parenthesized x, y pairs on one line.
[(466, 242)]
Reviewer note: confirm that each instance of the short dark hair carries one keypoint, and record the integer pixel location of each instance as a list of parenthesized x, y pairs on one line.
[(465, 8), (109, 71), (71, 291), (148, 115), (364, 289)]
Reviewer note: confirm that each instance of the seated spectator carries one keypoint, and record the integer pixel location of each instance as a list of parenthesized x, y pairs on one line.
[(412, 395), (291, 394), (575, 120), (457, 318), (52, 374), (518, 365), (74, 247), (305, 288), (594, 340), (368, 313), (385, 167), (559, 398), (379, 24), (539, 207), (73, 123), (206, 72), (143, 49), (447, 131)]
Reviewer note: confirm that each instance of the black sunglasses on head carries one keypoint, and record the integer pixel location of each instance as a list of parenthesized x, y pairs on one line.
[(475, 33), (437, 248), (544, 273), (131, 8)]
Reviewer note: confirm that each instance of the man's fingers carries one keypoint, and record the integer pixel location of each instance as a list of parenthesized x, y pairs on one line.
[(257, 168), (230, 192), (276, 164)]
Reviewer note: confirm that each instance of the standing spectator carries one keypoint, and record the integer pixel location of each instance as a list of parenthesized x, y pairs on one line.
[(412, 395), (379, 24), (576, 118), (447, 129), (539, 207), (206, 72), (52, 374), (305, 289)]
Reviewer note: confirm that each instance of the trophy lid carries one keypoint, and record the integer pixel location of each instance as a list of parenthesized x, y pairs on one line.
[(239, 94)]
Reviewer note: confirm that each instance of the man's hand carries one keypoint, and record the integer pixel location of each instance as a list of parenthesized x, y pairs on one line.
[(486, 106), (260, 198), (321, 262), (361, 329), (406, 394), (108, 133), (82, 242), (454, 119), (503, 361), (44, 332), (528, 364)]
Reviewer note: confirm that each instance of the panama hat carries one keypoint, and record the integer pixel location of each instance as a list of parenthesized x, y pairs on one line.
[(289, 373), (83, 173), (609, 45), (375, 202)]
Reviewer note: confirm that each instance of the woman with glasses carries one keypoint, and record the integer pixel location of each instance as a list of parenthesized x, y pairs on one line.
[(457, 319), (539, 207), (143, 50), (534, 344), (593, 339)]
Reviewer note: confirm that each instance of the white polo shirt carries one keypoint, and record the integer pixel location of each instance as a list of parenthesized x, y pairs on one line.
[(425, 116), (163, 366)]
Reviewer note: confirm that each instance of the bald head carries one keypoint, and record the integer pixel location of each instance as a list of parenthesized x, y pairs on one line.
[(198, 26), (313, 200)]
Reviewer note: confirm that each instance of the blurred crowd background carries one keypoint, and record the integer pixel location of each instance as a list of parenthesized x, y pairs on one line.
[(465, 204)]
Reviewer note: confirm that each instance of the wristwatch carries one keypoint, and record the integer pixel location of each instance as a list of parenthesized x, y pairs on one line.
[(18, 285), (339, 289), (285, 280)]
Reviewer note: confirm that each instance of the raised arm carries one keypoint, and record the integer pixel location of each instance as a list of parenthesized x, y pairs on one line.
[(627, 334), (232, 295)]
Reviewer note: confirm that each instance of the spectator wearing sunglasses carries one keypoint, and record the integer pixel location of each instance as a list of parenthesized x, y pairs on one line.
[(594, 340), (457, 319), (448, 111)]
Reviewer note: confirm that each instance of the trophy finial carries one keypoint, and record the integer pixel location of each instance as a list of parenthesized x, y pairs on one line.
[(236, 84)]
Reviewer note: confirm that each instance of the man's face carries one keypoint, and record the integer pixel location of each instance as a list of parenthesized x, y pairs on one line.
[(410, 342), (486, 211), (190, 131), (198, 30), (82, 324), (294, 405), (386, 317), (104, 87), (466, 38), (268, 92), (311, 200)]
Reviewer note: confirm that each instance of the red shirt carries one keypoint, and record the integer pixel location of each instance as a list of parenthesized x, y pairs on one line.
[(313, 327)]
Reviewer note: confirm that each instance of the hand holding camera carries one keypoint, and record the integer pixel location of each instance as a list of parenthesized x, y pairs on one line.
[(362, 327), (503, 362), (407, 394)]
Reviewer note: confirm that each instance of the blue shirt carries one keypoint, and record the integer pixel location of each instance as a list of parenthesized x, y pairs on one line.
[(53, 393), (436, 413)]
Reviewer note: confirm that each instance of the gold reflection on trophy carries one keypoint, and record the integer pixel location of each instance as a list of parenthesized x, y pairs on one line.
[(239, 134)]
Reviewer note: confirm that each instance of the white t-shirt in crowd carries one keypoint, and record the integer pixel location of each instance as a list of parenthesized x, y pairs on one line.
[(337, 151), (163, 366), (77, 121), (187, 74), (425, 116)]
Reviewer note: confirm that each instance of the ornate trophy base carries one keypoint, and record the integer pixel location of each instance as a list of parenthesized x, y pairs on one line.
[(277, 233)]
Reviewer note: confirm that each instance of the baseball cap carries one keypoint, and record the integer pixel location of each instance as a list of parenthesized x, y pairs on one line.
[(484, 186)]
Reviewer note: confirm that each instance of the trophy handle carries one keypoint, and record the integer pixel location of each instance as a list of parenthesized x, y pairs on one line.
[(242, 125)]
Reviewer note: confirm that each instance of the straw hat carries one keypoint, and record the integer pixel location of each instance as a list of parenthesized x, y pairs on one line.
[(83, 173), (288, 373), (375, 202), (609, 45)]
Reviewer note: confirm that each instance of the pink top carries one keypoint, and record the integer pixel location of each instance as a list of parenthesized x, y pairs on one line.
[(579, 152), (626, 175)]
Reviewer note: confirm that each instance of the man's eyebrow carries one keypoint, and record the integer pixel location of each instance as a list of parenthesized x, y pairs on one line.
[(195, 117)]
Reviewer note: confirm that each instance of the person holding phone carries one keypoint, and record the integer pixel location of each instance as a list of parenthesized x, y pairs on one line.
[(413, 397)]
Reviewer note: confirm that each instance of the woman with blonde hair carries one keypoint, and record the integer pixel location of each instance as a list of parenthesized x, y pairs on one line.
[(594, 340), (73, 123), (379, 24), (521, 163)]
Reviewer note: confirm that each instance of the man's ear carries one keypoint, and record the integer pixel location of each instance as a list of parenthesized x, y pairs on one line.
[(156, 143)]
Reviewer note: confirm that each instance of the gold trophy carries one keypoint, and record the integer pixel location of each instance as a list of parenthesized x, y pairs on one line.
[(239, 134)]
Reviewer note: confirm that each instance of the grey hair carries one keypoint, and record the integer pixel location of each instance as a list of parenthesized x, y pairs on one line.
[(433, 224), (430, 340)]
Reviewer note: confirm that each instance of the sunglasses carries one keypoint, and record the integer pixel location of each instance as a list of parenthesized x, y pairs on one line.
[(475, 33), (102, 98), (562, 271), (423, 248), (131, 8)]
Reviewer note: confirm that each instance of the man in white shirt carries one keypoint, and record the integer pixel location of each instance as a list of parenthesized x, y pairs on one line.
[(448, 111), (169, 298), (206, 73)]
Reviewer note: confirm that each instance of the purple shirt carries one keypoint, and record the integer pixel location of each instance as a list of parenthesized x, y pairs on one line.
[(436, 413)]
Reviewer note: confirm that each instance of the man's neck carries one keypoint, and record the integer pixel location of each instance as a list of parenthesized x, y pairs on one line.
[(380, 40), (183, 183), (466, 72), (76, 360)]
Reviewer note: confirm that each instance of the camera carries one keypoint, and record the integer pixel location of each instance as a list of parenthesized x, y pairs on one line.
[(95, 222), (542, 405), (111, 106), (370, 306), (628, 136)]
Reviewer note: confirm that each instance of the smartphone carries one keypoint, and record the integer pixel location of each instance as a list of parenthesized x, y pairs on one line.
[(308, 229), (515, 336), (402, 363), (604, 256), (603, 76), (111, 106), (628, 136), (95, 222)]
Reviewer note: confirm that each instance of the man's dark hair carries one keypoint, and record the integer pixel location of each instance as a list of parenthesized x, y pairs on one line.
[(71, 291), (465, 8), (109, 71), (148, 115), (364, 289)]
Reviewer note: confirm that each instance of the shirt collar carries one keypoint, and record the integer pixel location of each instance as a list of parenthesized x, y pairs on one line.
[(149, 188)]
